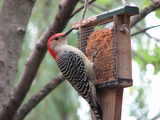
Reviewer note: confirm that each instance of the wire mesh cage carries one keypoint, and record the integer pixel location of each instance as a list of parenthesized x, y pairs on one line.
[(101, 42), (100, 37)]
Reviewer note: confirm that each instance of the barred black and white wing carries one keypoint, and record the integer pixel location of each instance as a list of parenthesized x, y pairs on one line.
[(73, 68)]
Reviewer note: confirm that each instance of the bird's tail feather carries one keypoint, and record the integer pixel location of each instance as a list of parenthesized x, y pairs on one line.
[(97, 111)]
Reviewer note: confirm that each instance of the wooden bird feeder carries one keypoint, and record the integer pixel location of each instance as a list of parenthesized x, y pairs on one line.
[(108, 34)]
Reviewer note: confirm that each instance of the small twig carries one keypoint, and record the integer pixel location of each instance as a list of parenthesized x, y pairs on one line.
[(147, 33), (144, 30), (39, 96), (152, 37)]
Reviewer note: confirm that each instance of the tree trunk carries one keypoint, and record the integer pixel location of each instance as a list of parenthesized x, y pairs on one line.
[(14, 17)]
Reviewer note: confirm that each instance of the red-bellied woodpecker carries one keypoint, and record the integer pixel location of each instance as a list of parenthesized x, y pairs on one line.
[(76, 68)]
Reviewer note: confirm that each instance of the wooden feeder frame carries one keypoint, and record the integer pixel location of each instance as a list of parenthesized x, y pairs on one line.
[(110, 93)]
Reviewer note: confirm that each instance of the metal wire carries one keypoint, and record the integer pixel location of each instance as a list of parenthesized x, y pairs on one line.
[(105, 61)]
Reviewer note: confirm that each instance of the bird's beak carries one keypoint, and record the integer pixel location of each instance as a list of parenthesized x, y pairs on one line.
[(66, 33)]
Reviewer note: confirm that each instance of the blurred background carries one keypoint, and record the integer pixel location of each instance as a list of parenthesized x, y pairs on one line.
[(140, 102)]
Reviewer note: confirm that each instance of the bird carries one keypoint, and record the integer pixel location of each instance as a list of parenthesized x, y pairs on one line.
[(76, 68)]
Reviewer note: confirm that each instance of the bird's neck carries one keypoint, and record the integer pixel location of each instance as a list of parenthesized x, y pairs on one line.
[(53, 53)]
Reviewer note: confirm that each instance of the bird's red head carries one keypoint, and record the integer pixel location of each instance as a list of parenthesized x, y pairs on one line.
[(55, 40), (52, 38)]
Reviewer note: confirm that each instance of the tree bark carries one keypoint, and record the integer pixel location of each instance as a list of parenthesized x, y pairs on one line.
[(14, 16)]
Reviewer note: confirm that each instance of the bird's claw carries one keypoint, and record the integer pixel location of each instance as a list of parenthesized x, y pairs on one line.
[(94, 54)]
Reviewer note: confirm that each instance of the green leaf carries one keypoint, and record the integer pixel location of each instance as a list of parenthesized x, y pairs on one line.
[(157, 13)]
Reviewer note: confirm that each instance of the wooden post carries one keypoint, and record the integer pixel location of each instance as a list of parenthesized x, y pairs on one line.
[(111, 102)]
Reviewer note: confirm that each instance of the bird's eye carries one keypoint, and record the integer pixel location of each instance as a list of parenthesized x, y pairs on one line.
[(56, 38)]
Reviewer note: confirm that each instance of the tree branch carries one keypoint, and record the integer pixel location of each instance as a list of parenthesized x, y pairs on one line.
[(152, 37), (33, 62), (35, 99), (144, 30), (148, 35), (143, 13)]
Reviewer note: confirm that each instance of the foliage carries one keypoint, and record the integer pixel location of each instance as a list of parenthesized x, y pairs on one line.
[(157, 13)]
